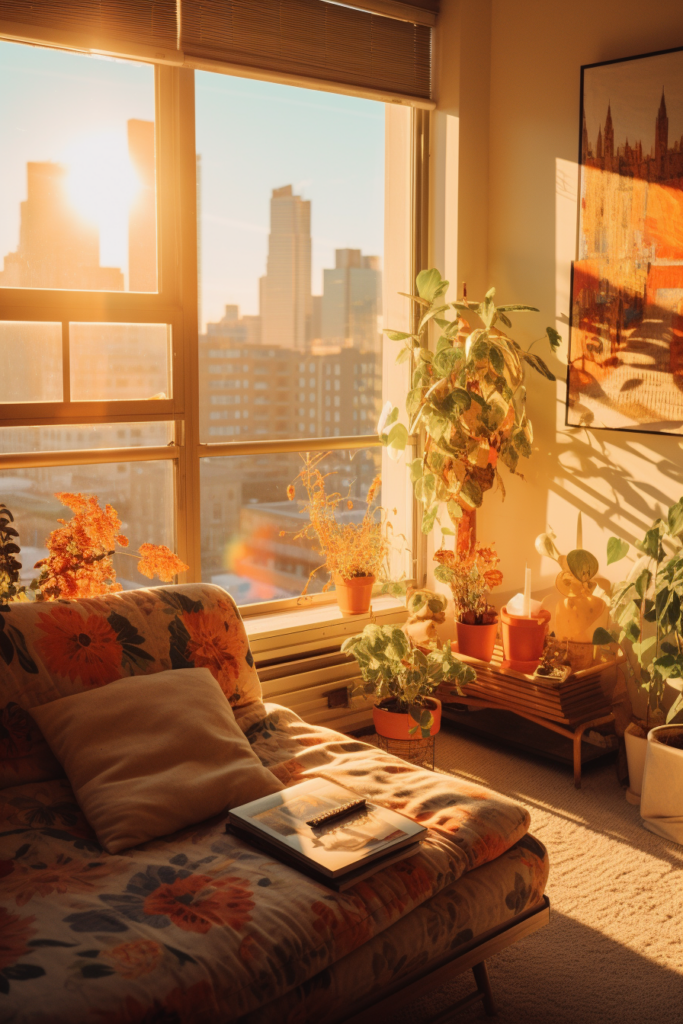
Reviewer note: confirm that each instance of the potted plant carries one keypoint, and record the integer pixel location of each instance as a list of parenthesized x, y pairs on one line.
[(647, 611), (471, 578), (403, 678), (355, 552), (469, 398), (79, 561)]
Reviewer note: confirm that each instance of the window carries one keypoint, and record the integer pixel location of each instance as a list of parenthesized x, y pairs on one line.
[(181, 372)]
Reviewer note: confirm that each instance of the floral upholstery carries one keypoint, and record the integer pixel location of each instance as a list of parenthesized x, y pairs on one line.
[(199, 927), (54, 649)]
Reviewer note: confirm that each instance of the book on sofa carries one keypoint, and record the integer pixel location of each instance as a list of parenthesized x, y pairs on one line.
[(327, 831)]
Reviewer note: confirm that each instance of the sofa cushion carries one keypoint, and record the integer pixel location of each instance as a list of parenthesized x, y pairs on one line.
[(144, 760), (55, 649)]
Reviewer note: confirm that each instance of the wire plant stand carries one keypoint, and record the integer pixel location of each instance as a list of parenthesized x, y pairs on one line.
[(419, 751)]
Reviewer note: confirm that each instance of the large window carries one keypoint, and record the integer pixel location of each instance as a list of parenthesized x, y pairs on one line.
[(191, 290)]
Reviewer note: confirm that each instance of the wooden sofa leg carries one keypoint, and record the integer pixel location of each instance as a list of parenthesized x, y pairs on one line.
[(481, 976)]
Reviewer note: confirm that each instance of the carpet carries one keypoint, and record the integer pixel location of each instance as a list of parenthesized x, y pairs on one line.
[(613, 951)]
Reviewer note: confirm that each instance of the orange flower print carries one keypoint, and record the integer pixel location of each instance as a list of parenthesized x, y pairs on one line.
[(64, 875), (347, 924), (133, 959), (14, 935), (197, 902), (214, 645), (79, 648)]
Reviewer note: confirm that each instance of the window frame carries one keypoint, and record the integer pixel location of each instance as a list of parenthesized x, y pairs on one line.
[(176, 303)]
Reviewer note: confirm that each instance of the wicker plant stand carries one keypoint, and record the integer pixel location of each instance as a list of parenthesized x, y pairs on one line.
[(419, 751), (569, 708)]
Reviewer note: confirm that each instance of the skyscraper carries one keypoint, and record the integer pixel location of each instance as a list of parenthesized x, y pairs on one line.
[(286, 287), (662, 142), (142, 218), (351, 301), (57, 248)]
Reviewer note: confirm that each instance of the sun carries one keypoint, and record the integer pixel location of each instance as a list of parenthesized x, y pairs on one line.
[(102, 182)]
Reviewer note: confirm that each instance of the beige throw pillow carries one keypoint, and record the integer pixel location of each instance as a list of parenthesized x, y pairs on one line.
[(147, 755)]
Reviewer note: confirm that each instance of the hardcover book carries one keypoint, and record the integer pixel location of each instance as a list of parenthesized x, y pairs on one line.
[(337, 851)]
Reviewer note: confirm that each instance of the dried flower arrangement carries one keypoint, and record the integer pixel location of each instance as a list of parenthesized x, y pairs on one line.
[(79, 562), (471, 578), (351, 550)]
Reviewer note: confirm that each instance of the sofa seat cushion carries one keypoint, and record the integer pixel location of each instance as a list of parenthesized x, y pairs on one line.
[(144, 761), (199, 926), (59, 648)]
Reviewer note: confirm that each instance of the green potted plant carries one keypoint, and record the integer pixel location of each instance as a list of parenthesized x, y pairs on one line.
[(468, 396), (403, 678), (471, 580), (646, 609)]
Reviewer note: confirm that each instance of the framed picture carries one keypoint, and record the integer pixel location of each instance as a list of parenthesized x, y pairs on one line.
[(626, 340)]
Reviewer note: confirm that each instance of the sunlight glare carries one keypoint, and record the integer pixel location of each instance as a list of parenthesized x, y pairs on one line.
[(102, 182)]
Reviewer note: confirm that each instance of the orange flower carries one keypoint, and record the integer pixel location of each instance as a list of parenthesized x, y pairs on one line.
[(65, 875), (77, 647), (214, 645), (14, 935), (158, 560), (346, 923), (198, 902), (290, 492), (133, 959)]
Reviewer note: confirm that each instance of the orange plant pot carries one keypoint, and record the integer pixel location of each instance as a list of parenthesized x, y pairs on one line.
[(477, 641), (354, 595), (396, 725), (523, 638)]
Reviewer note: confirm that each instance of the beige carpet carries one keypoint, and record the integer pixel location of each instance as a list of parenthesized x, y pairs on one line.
[(613, 951)]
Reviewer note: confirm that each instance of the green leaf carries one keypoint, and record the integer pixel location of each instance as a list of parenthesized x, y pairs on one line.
[(415, 468), (430, 284), (472, 493), (397, 437), (649, 545), (444, 575), (616, 550), (675, 708), (602, 637), (582, 565), (503, 318), (554, 337), (429, 518), (445, 360), (675, 518), (518, 309), (425, 355), (397, 335), (413, 401), (533, 360), (496, 360), (454, 510), (403, 356), (643, 582)]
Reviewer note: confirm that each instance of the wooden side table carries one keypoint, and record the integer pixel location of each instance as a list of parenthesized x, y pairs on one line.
[(569, 708)]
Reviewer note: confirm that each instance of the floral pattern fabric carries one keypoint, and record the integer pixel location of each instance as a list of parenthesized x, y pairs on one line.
[(58, 648), (199, 926)]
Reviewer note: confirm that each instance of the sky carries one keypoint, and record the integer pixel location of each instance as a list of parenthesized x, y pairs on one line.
[(634, 90), (252, 136)]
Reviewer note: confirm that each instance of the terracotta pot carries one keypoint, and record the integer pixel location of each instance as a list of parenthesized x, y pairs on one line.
[(477, 641), (636, 749), (354, 595), (523, 638), (396, 725)]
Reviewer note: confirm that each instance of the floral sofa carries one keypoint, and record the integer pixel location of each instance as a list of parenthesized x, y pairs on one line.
[(199, 926)]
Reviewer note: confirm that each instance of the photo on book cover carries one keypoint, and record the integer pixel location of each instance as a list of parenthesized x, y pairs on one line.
[(362, 830)]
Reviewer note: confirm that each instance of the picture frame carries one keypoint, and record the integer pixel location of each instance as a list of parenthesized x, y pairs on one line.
[(625, 361)]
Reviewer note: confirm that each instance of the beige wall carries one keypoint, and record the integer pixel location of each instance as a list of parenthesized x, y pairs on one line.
[(513, 103)]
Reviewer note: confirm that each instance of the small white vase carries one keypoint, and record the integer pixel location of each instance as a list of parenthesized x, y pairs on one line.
[(636, 749)]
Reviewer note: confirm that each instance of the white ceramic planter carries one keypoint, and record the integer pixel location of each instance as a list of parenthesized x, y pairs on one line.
[(661, 804), (636, 749)]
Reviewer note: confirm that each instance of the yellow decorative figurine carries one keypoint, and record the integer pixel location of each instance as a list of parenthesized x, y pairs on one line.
[(579, 612)]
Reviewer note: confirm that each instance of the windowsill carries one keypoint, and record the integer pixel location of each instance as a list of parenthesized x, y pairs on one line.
[(275, 634)]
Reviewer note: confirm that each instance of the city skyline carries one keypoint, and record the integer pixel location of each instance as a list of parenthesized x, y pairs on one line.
[(329, 146)]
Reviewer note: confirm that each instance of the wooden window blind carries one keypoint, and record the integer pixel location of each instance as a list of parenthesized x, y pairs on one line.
[(312, 39), (119, 26), (421, 12)]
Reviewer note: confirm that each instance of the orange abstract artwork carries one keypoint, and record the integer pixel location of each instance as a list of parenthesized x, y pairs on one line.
[(626, 348)]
